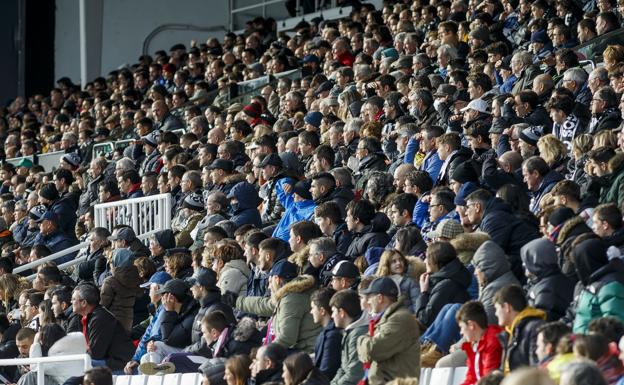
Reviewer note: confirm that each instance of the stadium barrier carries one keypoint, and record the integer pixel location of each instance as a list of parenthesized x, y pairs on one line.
[(47, 360)]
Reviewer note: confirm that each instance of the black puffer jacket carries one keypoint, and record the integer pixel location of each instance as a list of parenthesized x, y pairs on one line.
[(448, 285), (340, 196), (548, 289), (176, 328), (372, 235), (108, 340), (508, 231), (208, 304)]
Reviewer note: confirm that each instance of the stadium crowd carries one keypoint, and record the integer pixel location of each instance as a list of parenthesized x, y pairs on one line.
[(439, 185)]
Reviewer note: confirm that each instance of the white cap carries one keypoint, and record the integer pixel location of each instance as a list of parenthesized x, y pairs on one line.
[(477, 105)]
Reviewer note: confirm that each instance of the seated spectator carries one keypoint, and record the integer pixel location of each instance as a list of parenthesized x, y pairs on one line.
[(391, 348), (446, 281), (267, 364), (549, 336), (521, 323), (347, 314), (298, 205), (327, 347), (243, 202), (291, 323), (393, 264), (176, 323), (548, 288), (107, 341), (231, 269), (367, 227), (330, 222), (52, 237), (322, 258), (602, 282), (63, 311), (298, 369), (607, 224), (482, 347)]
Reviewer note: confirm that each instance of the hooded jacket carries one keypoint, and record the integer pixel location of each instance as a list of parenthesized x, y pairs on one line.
[(447, 285), (247, 210), (272, 193), (372, 235), (603, 280), (368, 164), (295, 212), (507, 230), (489, 353), (119, 291), (234, 276), (491, 260), (351, 370), (394, 348), (548, 289), (519, 340), (571, 229), (289, 307)]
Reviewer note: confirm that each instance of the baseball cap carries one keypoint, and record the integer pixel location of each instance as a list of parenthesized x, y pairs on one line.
[(445, 90), (284, 269), (176, 287), (465, 190), (48, 215), (123, 233), (272, 160), (477, 105), (25, 163), (160, 277), (383, 285), (203, 277), (345, 269), (36, 213), (222, 164)]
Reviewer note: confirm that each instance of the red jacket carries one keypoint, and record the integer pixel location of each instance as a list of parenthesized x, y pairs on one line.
[(490, 355)]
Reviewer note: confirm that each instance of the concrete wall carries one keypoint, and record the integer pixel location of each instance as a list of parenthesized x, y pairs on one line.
[(127, 24)]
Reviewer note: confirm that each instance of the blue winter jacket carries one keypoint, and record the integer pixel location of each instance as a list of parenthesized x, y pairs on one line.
[(295, 212), (152, 333)]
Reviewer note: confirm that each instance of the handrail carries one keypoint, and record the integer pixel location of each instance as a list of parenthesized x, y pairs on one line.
[(133, 200), (50, 257), (178, 27), (42, 360)]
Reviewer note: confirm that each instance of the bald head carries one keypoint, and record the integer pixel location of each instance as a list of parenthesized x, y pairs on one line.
[(543, 84), (510, 161), (159, 109), (401, 173)]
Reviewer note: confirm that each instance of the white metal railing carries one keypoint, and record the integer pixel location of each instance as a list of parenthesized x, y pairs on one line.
[(49, 161), (145, 215), (52, 257), (105, 148), (43, 360)]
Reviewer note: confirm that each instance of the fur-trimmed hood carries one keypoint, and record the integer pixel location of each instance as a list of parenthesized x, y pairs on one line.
[(467, 243), (616, 164), (234, 178), (298, 285), (573, 226), (300, 258), (416, 267)]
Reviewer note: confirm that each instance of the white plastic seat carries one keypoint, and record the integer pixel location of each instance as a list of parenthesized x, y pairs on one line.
[(459, 374), (155, 380), (171, 379), (190, 379), (122, 380), (425, 376), (139, 379), (441, 376)]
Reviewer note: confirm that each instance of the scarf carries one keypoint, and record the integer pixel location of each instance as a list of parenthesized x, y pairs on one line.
[(371, 332)]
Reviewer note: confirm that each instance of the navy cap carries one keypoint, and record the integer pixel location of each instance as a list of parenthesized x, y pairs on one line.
[(159, 277), (221, 164), (48, 215), (177, 287), (310, 59), (384, 286), (284, 269), (465, 190), (204, 277), (272, 160), (123, 233)]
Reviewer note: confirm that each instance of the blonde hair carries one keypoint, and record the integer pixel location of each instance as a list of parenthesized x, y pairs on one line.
[(385, 261), (551, 149), (613, 54), (11, 285), (605, 138), (582, 143)]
